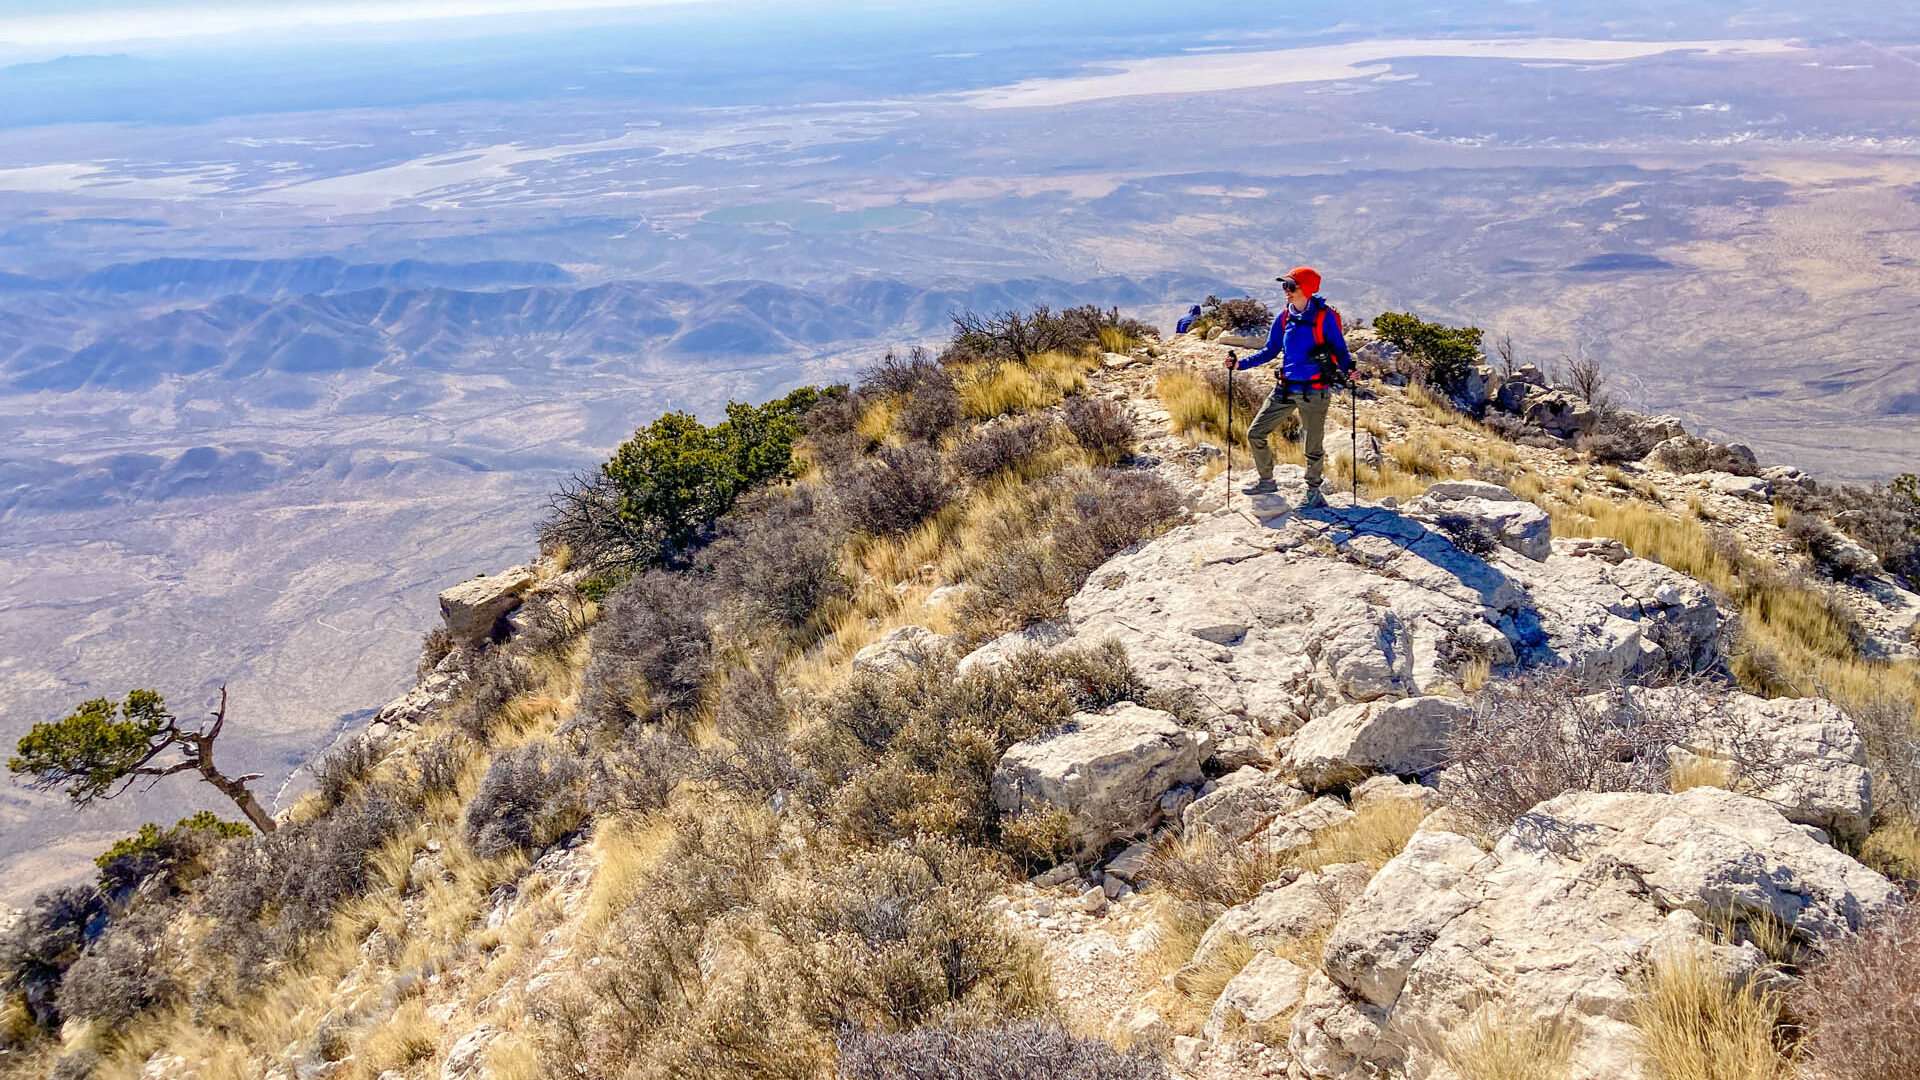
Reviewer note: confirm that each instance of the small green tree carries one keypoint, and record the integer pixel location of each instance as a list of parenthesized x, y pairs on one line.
[(102, 748), (1446, 353), (662, 489)]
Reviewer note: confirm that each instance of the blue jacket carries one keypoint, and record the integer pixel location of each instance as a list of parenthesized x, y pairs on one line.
[(1186, 321), (1291, 339)]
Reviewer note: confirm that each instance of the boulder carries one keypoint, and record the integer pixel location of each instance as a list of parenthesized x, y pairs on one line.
[(902, 648), (1785, 477), (1296, 829), (1350, 744), (1802, 755), (1744, 487), (1257, 1003), (465, 1058), (1138, 1027), (1658, 429), (1239, 751), (1108, 771), (1371, 608), (1240, 804), (473, 608), (1293, 908), (1041, 635), (1557, 922), (1243, 339), (1448, 490), (1559, 413), (1391, 789), (1686, 454), (1518, 524)]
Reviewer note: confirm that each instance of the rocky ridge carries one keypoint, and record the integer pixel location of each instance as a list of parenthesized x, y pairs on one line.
[(1325, 656)]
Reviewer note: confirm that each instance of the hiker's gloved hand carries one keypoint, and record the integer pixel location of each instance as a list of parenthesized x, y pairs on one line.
[(1233, 359)]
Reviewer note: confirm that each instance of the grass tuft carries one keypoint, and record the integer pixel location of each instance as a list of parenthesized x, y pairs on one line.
[(1695, 1024), (1499, 1046)]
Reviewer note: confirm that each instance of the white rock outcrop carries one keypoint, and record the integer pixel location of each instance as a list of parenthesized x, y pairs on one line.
[(1802, 755), (1292, 908), (473, 608), (1239, 805), (902, 648), (1515, 522), (1257, 1003), (1556, 921), (1349, 744), (1280, 622), (1108, 770)]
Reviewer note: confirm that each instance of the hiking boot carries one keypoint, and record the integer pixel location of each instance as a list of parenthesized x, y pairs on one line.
[(1314, 500), (1262, 486)]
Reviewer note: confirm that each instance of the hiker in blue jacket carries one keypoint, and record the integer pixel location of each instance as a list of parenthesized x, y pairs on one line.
[(1186, 321), (1307, 340)]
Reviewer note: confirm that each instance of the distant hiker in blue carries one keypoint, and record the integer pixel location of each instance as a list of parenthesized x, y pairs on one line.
[(1313, 359), (1186, 321)]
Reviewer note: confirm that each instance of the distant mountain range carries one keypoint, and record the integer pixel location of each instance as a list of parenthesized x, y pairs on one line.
[(129, 327)]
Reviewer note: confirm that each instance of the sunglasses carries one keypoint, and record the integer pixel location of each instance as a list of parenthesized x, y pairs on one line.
[(1289, 286)]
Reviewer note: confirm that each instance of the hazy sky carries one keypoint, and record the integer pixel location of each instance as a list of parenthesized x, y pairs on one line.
[(40, 24)]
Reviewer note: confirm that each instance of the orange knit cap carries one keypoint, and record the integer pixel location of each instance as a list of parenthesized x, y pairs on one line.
[(1306, 277)]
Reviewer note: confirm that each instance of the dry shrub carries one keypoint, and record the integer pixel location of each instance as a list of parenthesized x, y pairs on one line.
[(267, 900), (1101, 427), (1531, 739), (652, 651), (997, 448), (776, 561), (1696, 1024), (907, 935), (1824, 547), (1038, 837), (434, 648), (136, 965), (895, 490), (1030, 1051), (530, 797), (740, 958), (1885, 518), (1499, 1046), (1198, 870), (1082, 521), (346, 770), (1861, 1003), (493, 680), (892, 754), (640, 774), (929, 404)]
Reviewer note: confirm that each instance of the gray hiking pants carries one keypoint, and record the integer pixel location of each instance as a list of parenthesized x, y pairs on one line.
[(1313, 429)]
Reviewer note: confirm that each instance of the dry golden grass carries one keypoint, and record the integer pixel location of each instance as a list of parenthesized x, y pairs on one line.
[(1374, 835), (1689, 771), (1500, 1046), (1115, 340), (1195, 987), (1893, 848), (625, 850), (511, 1057), (1695, 1024), (875, 422), (990, 390), (407, 1037), (1476, 674)]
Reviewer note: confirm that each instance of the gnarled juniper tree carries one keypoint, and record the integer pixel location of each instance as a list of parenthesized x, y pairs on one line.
[(104, 747)]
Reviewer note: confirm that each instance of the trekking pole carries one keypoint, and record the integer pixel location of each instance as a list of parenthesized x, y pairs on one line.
[(1231, 355), (1353, 434)]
